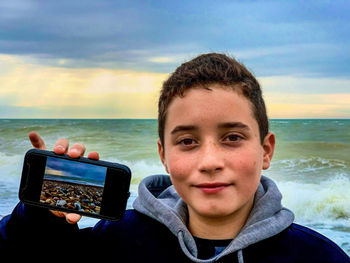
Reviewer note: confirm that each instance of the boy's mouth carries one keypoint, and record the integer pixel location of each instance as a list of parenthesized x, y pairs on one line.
[(212, 188)]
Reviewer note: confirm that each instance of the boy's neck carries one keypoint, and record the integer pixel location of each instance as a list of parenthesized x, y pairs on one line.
[(216, 228)]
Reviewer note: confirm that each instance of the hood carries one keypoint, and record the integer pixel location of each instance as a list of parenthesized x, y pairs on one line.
[(158, 199)]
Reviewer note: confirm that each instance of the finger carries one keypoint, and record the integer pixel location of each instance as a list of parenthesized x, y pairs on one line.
[(36, 140), (61, 146), (94, 156), (72, 218), (76, 150), (58, 213)]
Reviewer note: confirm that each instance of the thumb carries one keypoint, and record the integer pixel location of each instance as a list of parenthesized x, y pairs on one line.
[(36, 141), (71, 218)]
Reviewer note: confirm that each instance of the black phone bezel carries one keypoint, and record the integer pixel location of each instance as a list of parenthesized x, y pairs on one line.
[(115, 193)]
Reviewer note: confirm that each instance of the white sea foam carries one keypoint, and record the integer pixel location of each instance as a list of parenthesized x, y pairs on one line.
[(327, 202), (310, 164), (11, 168), (324, 207), (141, 169), (10, 174)]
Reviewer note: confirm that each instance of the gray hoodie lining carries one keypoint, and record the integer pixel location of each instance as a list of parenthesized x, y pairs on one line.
[(267, 218)]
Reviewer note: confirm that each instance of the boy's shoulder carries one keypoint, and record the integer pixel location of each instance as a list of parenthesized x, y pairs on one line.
[(305, 233), (318, 244), (299, 243), (307, 236)]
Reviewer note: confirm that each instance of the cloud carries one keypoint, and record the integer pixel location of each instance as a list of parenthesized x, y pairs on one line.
[(35, 90), (111, 81), (297, 97), (293, 105), (15, 9), (304, 85), (164, 59), (305, 111), (63, 92), (122, 105), (273, 38)]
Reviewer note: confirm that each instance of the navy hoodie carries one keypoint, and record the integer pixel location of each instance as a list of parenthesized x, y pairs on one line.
[(155, 231)]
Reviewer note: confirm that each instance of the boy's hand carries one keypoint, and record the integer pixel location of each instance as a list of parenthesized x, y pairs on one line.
[(61, 147)]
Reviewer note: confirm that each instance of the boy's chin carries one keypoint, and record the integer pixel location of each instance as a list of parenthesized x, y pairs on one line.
[(213, 213)]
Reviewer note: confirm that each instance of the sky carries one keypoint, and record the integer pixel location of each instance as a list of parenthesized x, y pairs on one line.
[(108, 59)]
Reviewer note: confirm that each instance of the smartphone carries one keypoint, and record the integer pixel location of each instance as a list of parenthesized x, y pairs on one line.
[(88, 187)]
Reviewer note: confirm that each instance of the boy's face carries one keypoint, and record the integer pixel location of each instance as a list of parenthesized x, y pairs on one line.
[(212, 151)]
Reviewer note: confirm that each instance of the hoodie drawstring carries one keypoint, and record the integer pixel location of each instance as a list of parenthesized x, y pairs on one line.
[(240, 256), (180, 237)]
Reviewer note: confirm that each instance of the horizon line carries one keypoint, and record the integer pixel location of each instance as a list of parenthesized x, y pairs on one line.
[(156, 118)]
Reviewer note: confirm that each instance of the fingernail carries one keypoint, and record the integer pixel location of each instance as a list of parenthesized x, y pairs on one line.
[(74, 152), (59, 147)]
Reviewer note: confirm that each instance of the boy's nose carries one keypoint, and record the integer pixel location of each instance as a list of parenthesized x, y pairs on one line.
[(210, 159)]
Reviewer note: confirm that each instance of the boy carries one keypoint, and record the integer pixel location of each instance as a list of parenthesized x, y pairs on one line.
[(215, 206)]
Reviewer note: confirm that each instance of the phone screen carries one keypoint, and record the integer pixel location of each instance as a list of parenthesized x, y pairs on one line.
[(88, 187), (73, 185)]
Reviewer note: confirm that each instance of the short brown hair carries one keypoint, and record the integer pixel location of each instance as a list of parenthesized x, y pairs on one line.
[(208, 69)]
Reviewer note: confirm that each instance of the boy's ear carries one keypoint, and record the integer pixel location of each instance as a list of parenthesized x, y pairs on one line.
[(268, 147), (162, 155)]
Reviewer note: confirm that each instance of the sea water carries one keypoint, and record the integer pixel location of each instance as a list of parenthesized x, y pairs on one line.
[(311, 164)]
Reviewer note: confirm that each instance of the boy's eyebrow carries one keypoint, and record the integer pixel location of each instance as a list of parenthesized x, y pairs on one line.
[(224, 125), (234, 125), (184, 128)]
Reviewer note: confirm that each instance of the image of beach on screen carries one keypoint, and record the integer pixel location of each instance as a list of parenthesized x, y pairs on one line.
[(73, 185)]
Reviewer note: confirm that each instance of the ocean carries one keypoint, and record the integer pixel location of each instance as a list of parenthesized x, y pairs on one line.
[(311, 165)]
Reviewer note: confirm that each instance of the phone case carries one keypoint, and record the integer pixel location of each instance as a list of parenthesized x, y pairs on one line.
[(24, 184)]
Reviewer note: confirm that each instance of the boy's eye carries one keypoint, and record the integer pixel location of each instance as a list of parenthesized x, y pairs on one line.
[(187, 141), (233, 138)]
